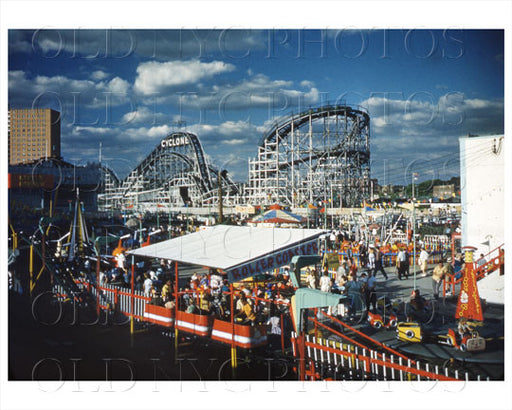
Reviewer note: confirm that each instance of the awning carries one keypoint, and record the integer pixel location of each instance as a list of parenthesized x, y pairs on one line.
[(240, 251), (278, 216)]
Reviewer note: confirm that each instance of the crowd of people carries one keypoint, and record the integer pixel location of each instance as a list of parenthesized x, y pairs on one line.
[(356, 278)]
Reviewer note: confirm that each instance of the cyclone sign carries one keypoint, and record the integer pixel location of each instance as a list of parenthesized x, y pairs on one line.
[(174, 141)]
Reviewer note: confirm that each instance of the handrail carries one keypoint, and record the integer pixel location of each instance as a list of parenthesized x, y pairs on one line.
[(480, 271), (375, 361), (389, 349)]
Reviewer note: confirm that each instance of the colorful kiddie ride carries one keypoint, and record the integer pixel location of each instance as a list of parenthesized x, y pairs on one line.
[(387, 314), (381, 321), (409, 332), (465, 338)]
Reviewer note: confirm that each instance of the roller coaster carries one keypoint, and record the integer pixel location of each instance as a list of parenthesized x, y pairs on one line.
[(176, 172), (320, 155)]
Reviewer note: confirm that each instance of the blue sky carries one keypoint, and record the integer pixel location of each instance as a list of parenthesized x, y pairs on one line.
[(127, 89)]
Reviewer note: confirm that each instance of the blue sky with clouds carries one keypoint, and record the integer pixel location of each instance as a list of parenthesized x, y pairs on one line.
[(128, 88)]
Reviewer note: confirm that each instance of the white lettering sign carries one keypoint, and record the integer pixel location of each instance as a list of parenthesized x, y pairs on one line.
[(176, 141), (272, 261)]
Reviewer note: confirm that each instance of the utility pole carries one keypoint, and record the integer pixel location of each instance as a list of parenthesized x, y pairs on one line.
[(220, 196), (414, 176)]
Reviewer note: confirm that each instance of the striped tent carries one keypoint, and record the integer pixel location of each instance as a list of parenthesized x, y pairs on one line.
[(278, 216)]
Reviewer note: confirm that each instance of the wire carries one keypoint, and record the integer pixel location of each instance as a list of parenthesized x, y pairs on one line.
[(393, 173)]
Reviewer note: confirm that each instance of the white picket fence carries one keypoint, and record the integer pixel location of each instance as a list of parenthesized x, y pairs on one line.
[(112, 295), (344, 360)]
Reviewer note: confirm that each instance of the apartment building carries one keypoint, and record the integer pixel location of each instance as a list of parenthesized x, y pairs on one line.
[(33, 134)]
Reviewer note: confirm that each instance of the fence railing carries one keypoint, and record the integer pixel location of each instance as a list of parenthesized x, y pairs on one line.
[(495, 260), (113, 297), (332, 360)]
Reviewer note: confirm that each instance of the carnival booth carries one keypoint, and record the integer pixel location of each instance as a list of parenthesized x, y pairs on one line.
[(276, 216), (239, 253)]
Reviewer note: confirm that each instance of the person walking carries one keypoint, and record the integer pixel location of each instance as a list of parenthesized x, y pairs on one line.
[(437, 278), (401, 263), (371, 259), (325, 282), (422, 261), (378, 264), (372, 294)]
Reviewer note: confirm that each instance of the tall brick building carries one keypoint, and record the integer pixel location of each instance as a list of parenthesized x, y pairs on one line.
[(33, 134)]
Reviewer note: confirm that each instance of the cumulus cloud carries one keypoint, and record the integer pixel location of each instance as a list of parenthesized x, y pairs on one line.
[(116, 85), (424, 135), (233, 142), (451, 115), (148, 116), (154, 77), (259, 91), (228, 132), (98, 75), (158, 45), (65, 92)]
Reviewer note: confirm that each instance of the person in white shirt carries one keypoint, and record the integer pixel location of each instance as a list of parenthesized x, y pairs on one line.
[(371, 259), (274, 334), (325, 282), (311, 279), (215, 284), (121, 259), (148, 283), (153, 275), (422, 261), (401, 263), (332, 240)]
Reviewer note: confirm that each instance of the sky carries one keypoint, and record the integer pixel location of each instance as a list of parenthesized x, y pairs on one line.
[(128, 89)]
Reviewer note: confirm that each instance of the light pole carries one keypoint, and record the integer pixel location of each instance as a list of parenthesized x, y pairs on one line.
[(414, 177)]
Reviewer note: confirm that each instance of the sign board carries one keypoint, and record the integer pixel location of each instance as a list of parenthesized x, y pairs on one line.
[(245, 209), (331, 260), (174, 141), (30, 181), (271, 261)]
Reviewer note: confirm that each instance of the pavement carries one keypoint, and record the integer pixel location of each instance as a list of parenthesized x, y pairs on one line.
[(401, 289)]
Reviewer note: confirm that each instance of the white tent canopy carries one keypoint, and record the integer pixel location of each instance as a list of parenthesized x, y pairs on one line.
[(238, 250)]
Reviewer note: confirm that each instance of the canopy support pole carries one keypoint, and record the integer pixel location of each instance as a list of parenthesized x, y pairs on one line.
[(98, 256), (132, 280), (233, 346), (31, 268), (176, 302), (301, 347)]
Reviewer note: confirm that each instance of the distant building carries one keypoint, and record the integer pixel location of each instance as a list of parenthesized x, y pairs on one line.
[(374, 188), (443, 191), (33, 134), (387, 190), (41, 183)]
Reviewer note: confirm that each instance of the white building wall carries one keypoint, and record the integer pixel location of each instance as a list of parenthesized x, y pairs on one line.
[(482, 191)]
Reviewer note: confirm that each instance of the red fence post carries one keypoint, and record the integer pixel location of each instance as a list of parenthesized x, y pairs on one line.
[(282, 333), (116, 296), (98, 291)]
